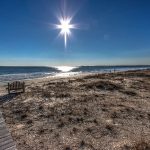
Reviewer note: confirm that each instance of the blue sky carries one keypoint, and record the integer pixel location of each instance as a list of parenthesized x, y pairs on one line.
[(112, 32)]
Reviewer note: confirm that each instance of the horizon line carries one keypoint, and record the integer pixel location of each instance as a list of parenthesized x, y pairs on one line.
[(68, 65)]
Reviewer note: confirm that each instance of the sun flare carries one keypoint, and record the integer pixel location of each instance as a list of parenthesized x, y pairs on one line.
[(65, 26)]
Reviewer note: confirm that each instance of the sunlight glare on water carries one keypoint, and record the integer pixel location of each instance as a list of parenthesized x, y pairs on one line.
[(65, 68)]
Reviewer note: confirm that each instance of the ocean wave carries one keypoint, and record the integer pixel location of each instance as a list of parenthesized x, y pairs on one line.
[(23, 76)]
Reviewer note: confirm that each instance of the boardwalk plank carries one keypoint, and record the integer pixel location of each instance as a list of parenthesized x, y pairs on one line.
[(5, 135), (6, 141), (7, 146)]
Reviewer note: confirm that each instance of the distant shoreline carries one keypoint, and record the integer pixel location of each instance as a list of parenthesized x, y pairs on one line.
[(62, 75)]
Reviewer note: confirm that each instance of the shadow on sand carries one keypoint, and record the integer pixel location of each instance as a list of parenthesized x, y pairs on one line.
[(8, 97)]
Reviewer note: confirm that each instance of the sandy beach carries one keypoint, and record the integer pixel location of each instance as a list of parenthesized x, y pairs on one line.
[(109, 111)]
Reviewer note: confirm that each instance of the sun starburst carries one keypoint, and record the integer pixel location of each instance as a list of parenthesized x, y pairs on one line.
[(65, 26)]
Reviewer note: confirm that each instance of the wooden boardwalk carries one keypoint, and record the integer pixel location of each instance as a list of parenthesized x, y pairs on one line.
[(6, 141)]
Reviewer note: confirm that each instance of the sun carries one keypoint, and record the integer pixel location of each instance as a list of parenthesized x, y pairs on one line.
[(65, 27)]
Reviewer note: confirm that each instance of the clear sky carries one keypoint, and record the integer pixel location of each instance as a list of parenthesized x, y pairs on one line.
[(112, 32)]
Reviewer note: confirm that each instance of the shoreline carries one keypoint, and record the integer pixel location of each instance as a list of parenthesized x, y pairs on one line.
[(3, 85), (69, 74)]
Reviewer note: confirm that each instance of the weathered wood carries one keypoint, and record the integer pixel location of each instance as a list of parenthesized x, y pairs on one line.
[(16, 87), (8, 88), (6, 141)]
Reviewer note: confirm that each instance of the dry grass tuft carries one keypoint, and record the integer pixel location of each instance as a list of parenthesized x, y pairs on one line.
[(129, 92), (103, 85), (141, 145), (67, 148)]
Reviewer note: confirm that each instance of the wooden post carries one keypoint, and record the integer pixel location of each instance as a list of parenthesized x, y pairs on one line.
[(8, 89), (23, 87)]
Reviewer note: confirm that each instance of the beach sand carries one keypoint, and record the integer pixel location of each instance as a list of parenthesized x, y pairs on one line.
[(109, 111)]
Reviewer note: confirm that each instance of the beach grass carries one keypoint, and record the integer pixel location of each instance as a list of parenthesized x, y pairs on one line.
[(91, 112)]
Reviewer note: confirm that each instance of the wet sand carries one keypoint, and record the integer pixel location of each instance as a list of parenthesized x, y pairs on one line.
[(84, 112)]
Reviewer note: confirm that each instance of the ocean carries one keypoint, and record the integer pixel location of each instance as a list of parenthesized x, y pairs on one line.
[(8, 74)]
